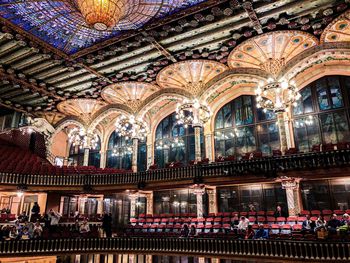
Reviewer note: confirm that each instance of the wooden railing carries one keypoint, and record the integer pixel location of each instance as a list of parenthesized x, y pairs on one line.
[(267, 167), (281, 249)]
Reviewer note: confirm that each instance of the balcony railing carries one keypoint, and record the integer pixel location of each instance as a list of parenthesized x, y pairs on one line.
[(267, 167), (302, 250)]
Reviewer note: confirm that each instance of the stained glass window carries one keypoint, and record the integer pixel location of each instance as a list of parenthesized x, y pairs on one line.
[(94, 155), (119, 153), (327, 123), (250, 129), (174, 143)]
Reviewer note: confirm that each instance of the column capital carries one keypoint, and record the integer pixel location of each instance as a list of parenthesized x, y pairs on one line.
[(198, 189), (289, 183)]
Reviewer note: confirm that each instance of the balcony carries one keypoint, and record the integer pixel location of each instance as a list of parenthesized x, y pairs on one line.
[(302, 250), (268, 167)]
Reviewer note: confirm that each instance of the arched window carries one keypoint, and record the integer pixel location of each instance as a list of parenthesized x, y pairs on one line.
[(76, 155), (242, 128), (174, 143), (94, 155), (119, 152), (322, 114)]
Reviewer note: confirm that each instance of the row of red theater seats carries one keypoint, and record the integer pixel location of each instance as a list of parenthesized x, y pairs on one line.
[(292, 220), (7, 217), (285, 231), (325, 212)]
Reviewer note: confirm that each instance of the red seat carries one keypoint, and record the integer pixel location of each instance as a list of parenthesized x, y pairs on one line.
[(305, 212), (326, 212), (315, 212)]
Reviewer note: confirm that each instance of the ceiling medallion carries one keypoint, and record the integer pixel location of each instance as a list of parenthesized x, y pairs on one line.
[(102, 14)]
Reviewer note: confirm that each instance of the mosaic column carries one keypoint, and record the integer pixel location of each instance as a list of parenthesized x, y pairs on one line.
[(291, 185), (282, 131), (135, 143), (133, 199), (149, 259), (149, 155), (149, 207), (212, 199), (103, 159), (199, 191), (197, 143), (86, 157), (208, 147)]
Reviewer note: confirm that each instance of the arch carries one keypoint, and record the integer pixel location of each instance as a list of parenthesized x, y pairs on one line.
[(338, 30)]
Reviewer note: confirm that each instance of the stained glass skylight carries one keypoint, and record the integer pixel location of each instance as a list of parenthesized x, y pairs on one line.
[(60, 24)]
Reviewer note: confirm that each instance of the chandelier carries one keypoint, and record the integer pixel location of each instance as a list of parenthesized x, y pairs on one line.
[(277, 95), (192, 113), (102, 14), (79, 137), (130, 128), (121, 152)]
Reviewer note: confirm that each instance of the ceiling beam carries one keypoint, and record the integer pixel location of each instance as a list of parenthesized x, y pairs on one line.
[(248, 7), (31, 86)]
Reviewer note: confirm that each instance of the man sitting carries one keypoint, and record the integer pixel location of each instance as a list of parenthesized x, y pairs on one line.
[(308, 225), (243, 224), (333, 224), (261, 233)]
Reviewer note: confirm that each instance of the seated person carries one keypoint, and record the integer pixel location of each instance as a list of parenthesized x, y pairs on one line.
[(279, 212), (243, 224), (84, 228), (261, 233), (249, 234), (185, 231), (38, 230), (14, 234), (25, 233), (333, 224), (320, 223), (193, 231), (23, 217), (308, 225)]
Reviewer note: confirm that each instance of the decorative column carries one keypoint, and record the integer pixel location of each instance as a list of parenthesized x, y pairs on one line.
[(197, 143), (133, 198), (291, 185), (149, 259), (135, 143), (149, 151), (149, 205), (86, 157), (208, 147), (103, 158), (199, 191), (282, 131), (212, 199)]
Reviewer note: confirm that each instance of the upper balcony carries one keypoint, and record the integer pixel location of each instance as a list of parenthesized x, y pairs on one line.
[(302, 164)]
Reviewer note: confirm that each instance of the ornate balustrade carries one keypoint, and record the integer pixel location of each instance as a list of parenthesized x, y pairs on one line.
[(281, 249), (267, 167)]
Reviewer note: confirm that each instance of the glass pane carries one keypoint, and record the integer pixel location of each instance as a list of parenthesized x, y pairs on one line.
[(322, 95), (328, 128), (342, 126), (334, 87), (219, 121), (227, 115)]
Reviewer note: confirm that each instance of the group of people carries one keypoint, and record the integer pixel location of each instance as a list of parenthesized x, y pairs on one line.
[(323, 228)]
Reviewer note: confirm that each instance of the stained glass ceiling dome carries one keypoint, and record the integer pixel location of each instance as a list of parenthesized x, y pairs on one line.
[(61, 24)]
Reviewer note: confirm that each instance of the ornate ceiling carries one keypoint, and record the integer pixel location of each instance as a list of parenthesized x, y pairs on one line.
[(270, 52), (47, 62), (61, 25)]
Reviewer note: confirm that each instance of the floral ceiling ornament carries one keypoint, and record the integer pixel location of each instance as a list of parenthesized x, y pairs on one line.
[(191, 76), (271, 52)]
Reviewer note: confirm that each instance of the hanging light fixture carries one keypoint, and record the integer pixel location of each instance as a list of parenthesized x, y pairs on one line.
[(131, 128), (277, 95), (79, 137), (102, 14), (192, 113)]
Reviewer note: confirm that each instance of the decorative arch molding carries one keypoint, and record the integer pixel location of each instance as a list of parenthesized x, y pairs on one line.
[(107, 111), (338, 29), (64, 123), (317, 55)]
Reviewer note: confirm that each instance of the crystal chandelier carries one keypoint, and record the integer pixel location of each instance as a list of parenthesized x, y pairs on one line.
[(102, 14), (125, 151), (130, 128), (192, 113), (277, 95), (79, 137)]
